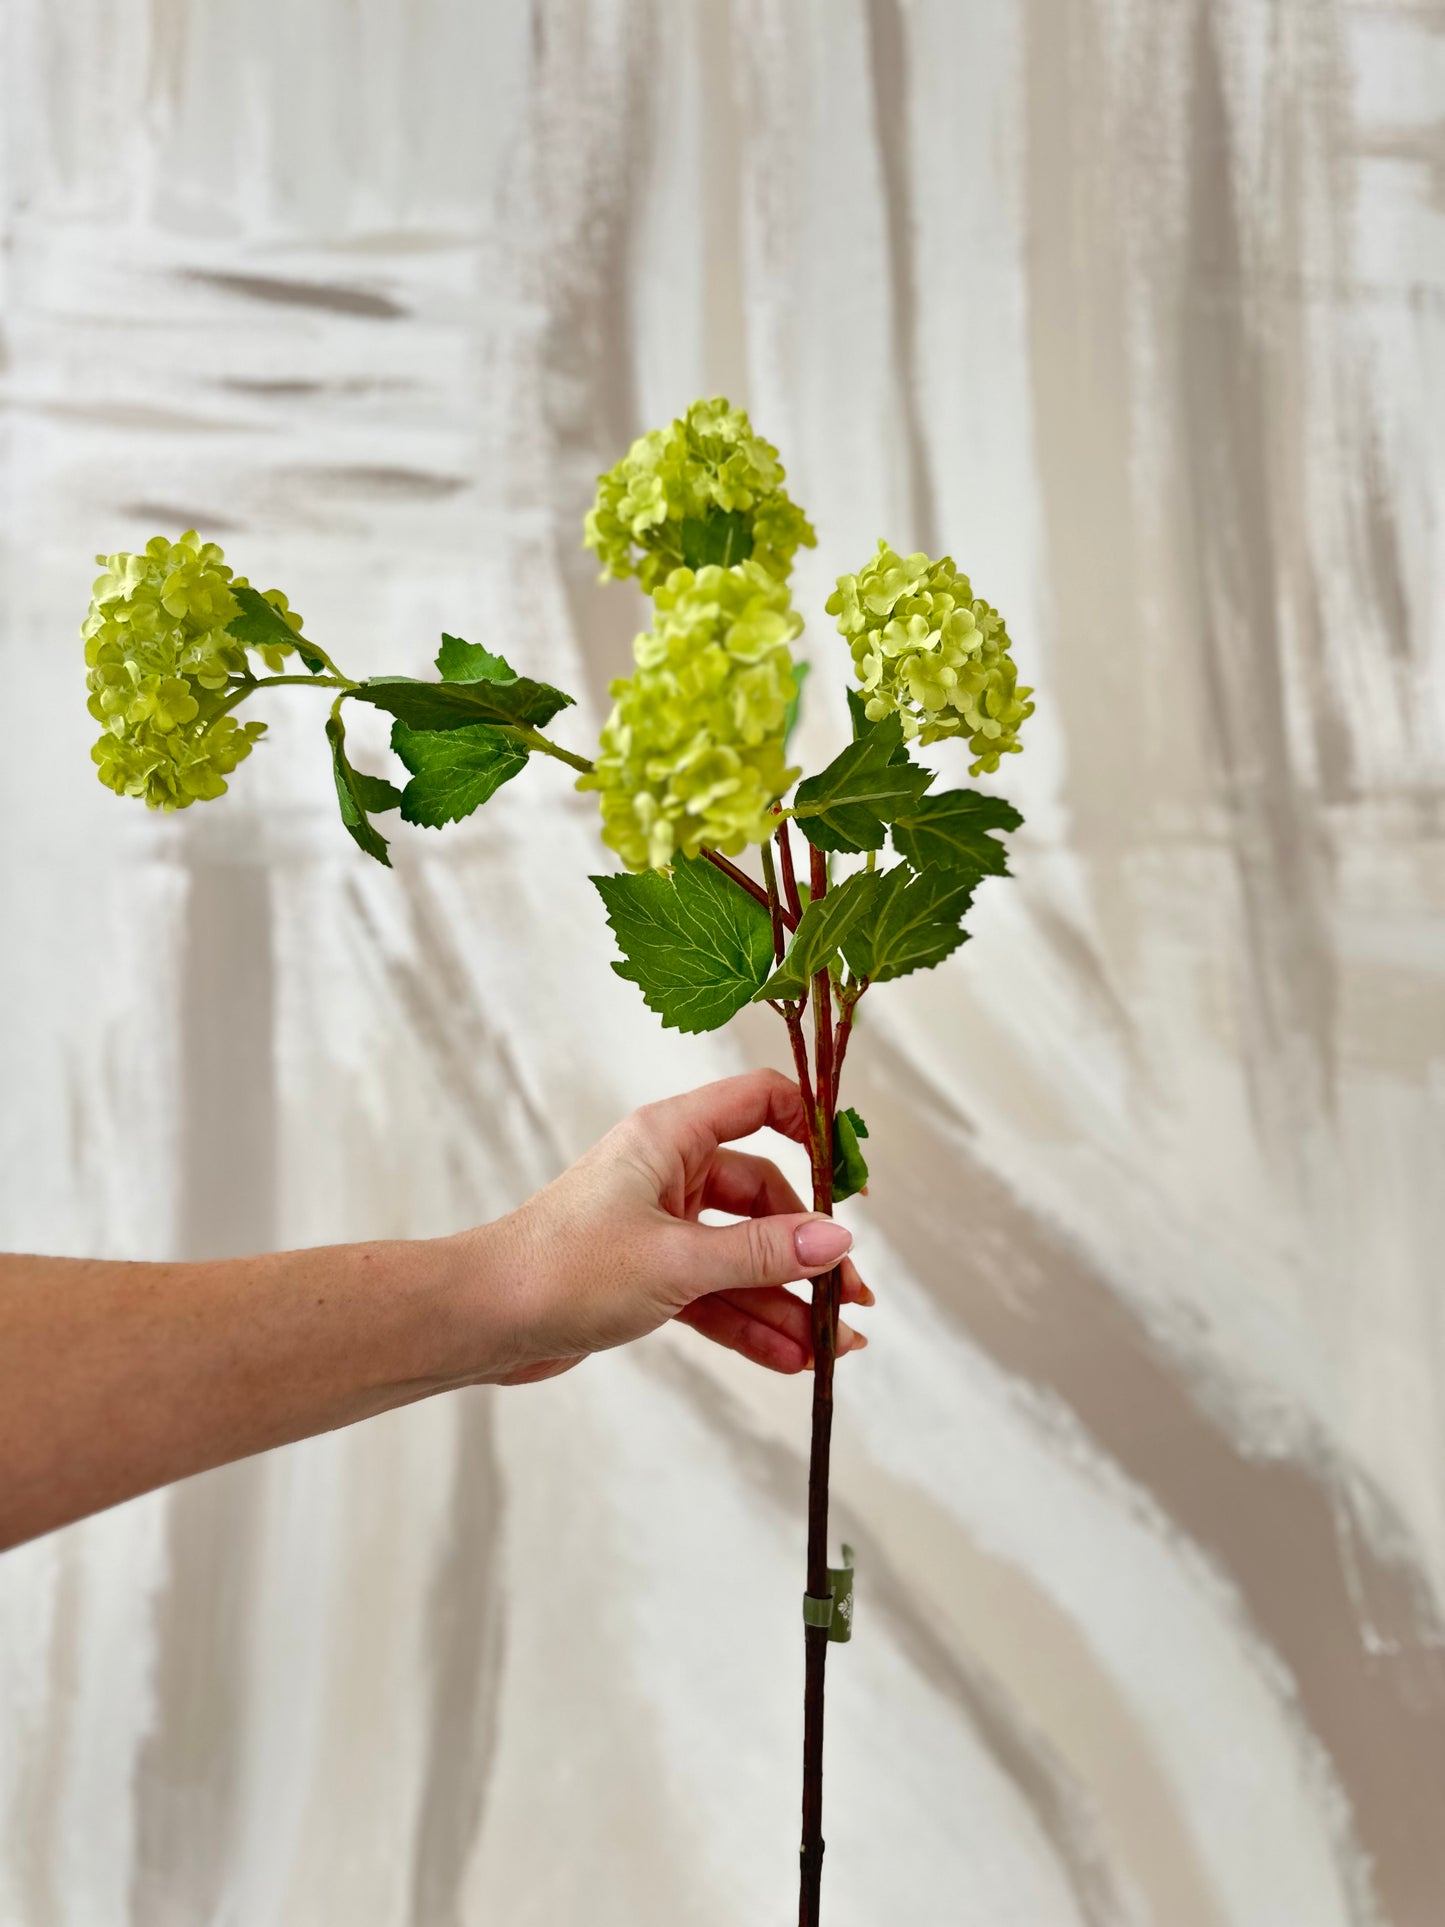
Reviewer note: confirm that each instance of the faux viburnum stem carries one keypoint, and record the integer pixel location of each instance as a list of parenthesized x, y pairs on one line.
[(847, 1004), (822, 1038), (734, 874), (245, 689), (827, 1292), (544, 746), (790, 1009), (775, 908), (793, 1017), (790, 881), (692, 762), (745, 882)]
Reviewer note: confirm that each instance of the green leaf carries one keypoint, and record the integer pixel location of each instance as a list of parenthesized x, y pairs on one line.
[(349, 794), (262, 626), (374, 793), (911, 923), (722, 535), (850, 804), (454, 771), (459, 661), (820, 934), (519, 701), (857, 710), (951, 832), (801, 673), (696, 945), (850, 1168)]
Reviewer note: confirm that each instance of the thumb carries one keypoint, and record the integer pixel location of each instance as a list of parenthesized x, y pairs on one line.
[(762, 1251)]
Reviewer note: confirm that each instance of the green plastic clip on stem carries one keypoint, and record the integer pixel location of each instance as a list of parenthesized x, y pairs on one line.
[(836, 1611)]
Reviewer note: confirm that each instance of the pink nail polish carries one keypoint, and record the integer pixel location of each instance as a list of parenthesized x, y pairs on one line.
[(820, 1242)]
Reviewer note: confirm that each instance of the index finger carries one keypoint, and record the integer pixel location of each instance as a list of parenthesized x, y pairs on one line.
[(736, 1107)]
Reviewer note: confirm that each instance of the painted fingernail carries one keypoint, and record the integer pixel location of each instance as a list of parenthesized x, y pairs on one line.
[(821, 1242), (865, 1297)]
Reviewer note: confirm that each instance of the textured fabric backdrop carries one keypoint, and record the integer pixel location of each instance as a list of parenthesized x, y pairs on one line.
[(1136, 306)]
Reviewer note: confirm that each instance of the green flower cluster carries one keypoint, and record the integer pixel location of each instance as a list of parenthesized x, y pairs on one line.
[(692, 753), (161, 671), (708, 464), (924, 645)]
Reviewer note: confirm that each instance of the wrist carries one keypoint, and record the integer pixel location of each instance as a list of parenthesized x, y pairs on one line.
[(476, 1318)]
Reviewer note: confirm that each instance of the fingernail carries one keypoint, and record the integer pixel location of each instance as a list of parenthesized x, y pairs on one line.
[(865, 1297), (821, 1242)]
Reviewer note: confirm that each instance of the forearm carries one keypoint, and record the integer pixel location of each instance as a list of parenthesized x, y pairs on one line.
[(116, 1378)]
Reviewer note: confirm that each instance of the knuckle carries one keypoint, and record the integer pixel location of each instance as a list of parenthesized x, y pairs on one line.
[(644, 1133), (762, 1247)]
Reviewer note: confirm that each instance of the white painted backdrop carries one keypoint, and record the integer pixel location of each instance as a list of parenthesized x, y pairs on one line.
[(1135, 305)]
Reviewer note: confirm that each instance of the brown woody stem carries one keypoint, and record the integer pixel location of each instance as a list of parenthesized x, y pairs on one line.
[(847, 1004), (745, 882), (790, 882), (775, 908), (790, 1009), (826, 1294), (793, 1017)]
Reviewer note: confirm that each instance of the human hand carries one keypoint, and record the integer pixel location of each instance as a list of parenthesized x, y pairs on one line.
[(613, 1248), (116, 1378)]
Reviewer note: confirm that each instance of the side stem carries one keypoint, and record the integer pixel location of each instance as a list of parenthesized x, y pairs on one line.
[(239, 691), (756, 891), (847, 1003), (775, 908), (529, 738), (533, 739), (790, 882)]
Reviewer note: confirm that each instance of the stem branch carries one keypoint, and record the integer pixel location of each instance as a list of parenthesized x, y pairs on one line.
[(790, 881), (775, 908), (529, 738), (544, 746), (793, 1015), (241, 690), (745, 882), (847, 1003)]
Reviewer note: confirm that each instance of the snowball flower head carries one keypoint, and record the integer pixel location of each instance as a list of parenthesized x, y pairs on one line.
[(692, 753), (924, 646), (707, 489), (162, 670)]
